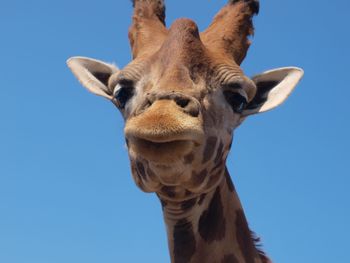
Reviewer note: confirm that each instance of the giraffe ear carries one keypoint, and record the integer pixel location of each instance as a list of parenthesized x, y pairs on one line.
[(93, 74), (273, 88)]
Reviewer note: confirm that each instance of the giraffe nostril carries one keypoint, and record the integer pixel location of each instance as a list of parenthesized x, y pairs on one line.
[(182, 102)]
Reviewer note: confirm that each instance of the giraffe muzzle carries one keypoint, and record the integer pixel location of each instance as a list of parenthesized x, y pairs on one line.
[(164, 132)]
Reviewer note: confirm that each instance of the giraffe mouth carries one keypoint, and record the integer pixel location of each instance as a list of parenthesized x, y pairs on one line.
[(163, 146), (161, 151)]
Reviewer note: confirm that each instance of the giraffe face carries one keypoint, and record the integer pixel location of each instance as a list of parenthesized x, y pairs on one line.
[(184, 94), (180, 112)]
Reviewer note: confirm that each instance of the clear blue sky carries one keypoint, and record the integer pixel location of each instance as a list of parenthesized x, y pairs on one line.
[(66, 193)]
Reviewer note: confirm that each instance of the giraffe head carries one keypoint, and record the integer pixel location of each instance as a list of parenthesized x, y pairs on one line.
[(183, 94)]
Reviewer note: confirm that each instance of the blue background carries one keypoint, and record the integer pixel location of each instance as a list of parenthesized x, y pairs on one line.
[(66, 193)]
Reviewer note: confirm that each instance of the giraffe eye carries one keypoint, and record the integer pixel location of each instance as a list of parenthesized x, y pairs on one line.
[(237, 101), (125, 90)]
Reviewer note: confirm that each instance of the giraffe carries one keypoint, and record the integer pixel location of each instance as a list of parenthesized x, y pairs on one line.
[(181, 97)]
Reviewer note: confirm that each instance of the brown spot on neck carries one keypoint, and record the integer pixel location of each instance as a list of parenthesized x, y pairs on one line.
[(184, 241), (188, 204), (212, 223), (231, 258)]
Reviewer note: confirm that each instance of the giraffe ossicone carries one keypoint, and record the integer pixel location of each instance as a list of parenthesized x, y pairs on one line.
[(182, 96)]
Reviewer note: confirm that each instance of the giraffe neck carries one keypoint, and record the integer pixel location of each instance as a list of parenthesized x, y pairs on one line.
[(210, 228)]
